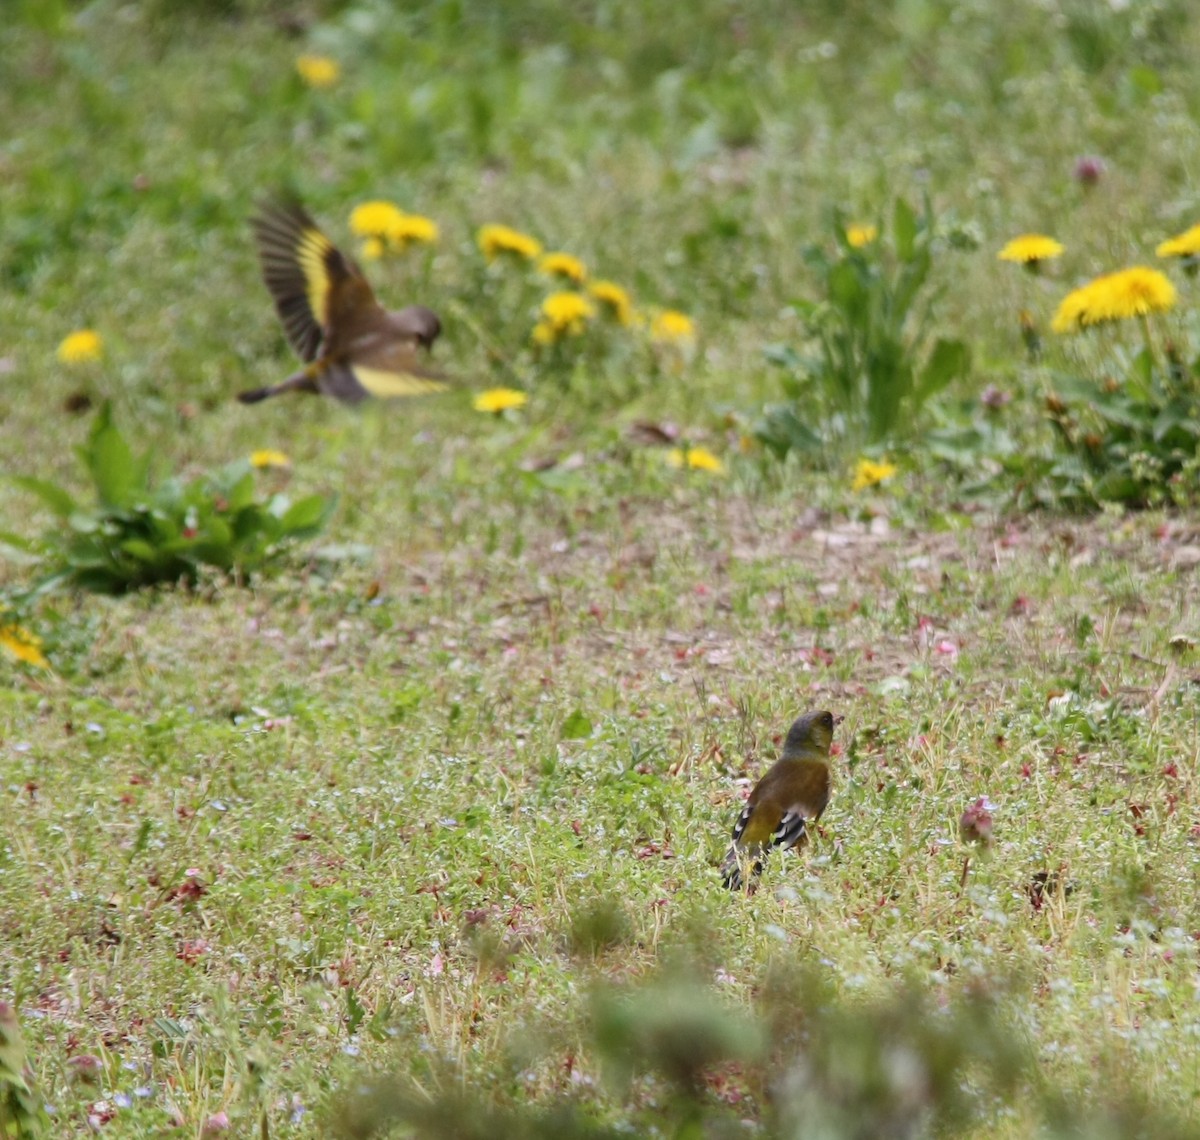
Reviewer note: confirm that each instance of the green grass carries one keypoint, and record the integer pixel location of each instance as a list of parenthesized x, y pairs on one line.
[(436, 788)]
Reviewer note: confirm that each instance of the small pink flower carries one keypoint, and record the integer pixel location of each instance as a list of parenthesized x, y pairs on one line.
[(215, 1124), (1089, 169), (993, 397), (975, 826)]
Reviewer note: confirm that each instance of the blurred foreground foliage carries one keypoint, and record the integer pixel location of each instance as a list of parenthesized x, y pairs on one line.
[(804, 1061)]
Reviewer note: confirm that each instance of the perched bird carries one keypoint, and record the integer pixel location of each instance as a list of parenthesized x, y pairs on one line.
[(794, 791), (352, 346)]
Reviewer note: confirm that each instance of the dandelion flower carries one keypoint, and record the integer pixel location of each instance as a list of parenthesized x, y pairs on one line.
[(372, 249), (868, 473), (566, 314), (318, 71), (1071, 310), (22, 644), (81, 347), (860, 235), (496, 240), (1031, 249), (499, 400), (613, 300), (269, 457), (1186, 244), (1134, 292), (375, 218), (695, 458), (564, 265), (412, 229), (672, 327)]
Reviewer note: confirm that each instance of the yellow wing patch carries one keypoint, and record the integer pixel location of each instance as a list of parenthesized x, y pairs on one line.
[(391, 385), (312, 248)]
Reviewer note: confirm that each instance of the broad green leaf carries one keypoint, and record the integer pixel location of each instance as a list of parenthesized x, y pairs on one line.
[(208, 553), (308, 515), (782, 430), (50, 493), (576, 727), (216, 530), (142, 550), (20, 542), (845, 288), (904, 229), (170, 1028), (110, 462), (84, 523), (255, 520), (241, 491), (949, 360)]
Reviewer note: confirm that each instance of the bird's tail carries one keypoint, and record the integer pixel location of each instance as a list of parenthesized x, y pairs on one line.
[(733, 869), (255, 395), (297, 382)]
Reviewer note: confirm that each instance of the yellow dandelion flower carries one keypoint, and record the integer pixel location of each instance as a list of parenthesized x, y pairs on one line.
[(613, 300), (1134, 292), (867, 473), (564, 265), (81, 347), (567, 313), (372, 249), (543, 333), (318, 71), (1029, 249), (269, 457), (1186, 244), (22, 644), (496, 240), (375, 218), (500, 400), (1069, 315), (412, 229), (860, 235), (672, 327), (696, 458)]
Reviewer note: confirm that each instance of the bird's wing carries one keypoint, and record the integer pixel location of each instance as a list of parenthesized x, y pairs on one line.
[(388, 368), (311, 281), (757, 823), (732, 868), (791, 831)]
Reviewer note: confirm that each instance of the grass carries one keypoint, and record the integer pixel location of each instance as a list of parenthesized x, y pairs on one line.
[(401, 807)]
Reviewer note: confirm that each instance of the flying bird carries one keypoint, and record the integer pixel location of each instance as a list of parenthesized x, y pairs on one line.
[(352, 347), (793, 792)]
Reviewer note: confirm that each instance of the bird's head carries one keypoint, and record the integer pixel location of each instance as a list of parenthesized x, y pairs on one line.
[(813, 732), (419, 323)]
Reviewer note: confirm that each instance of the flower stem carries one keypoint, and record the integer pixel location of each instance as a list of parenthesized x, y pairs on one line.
[(1145, 319)]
